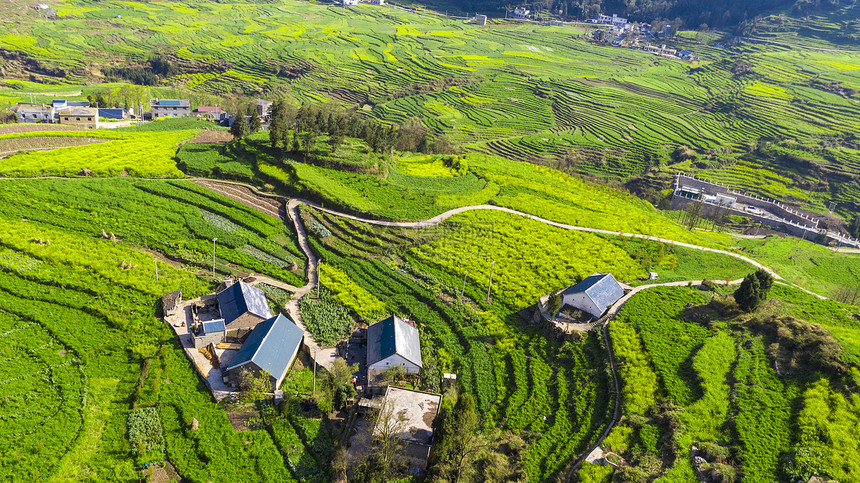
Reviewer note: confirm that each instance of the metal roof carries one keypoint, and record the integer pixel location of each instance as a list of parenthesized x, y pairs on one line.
[(602, 289), (171, 102), (270, 346), (241, 298), (214, 326), (393, 336)]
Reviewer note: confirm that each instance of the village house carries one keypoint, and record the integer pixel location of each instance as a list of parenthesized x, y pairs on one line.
[(594, 295), (481, 20), (409, 415), (263, 107), (271, 347), (34, 113), (79, 116), (350, 3), (213, 113), (170, 108), (243, 306), (521, 12), (614, 20), (392, 343)]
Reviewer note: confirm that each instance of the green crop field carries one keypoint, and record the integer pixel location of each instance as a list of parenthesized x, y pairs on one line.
[(706, 377)]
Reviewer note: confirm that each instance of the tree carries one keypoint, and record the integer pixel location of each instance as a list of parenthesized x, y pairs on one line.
[(554, 304), (279, 130), (239, 129), (753, 290), (256, 386), (341, 381), (386, 460), (456, 438), (256, 125)]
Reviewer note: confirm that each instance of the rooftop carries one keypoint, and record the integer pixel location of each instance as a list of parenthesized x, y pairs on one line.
[(79, 111), (270, 346), (211, 326), (393, 336), (241, 298), (603, 289), (170, 103), (416, 410)]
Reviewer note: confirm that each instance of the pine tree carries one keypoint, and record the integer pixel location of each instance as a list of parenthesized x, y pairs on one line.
[(239, 129), (753, 290), (256, 125)]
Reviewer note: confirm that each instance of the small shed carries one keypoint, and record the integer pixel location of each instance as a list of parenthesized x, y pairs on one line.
[(243, 306), (210, 332), (481, 19), (593, 295), (271, 347), (393, 342), (171, 301)]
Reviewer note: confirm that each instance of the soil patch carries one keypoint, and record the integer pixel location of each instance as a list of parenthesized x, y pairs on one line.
[(210, 136)]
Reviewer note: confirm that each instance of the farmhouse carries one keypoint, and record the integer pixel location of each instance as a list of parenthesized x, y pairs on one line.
[(171, 302), (594, 295), (393, 342), (263, 107), (170, 108), (34, 113), (209, 332), (208, 112), (409, 415), (521, 12), (350, 3), (271, 347), (243, 306), (481, 19), (79, 116)]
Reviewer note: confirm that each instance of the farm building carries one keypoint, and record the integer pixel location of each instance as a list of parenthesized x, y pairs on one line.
[(112, 113), (210, 332), (79, 116), (243, 306), (594, 295), (171, 301), (208, 112), (170, 108), (409, 414), (34, 113), (271, 347), (481, 19), (521, 12), (350, 3), (263, 107), (393, 342)]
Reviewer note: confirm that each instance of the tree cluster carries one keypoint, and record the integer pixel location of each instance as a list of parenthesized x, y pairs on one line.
[(297, 130)]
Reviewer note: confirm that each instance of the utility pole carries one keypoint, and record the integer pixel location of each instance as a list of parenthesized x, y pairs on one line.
[(315, 373), (213, 256), (156, 270), (464, 283), (490, 286)]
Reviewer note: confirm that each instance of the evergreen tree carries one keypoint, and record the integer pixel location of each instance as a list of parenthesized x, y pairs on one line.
[(753, 290), (256, 125), (239, 129), (279, 133)]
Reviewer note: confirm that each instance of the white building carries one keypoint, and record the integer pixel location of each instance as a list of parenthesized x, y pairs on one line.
[(594, 295), (393, 342)]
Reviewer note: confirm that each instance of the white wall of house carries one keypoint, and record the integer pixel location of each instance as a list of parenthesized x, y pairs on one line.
[(393, 361), (583, 302)]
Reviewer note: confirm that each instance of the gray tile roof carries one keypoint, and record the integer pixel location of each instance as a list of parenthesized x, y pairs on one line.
[(241, 298), (393, 336), (214, 326), (270, 345), (603, 290)]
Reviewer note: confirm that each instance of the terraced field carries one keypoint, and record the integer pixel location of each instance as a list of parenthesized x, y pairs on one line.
[(522, 91)]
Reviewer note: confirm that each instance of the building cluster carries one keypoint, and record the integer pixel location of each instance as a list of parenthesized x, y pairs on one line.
[(621, 33), (352, 3), (79, 113)]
